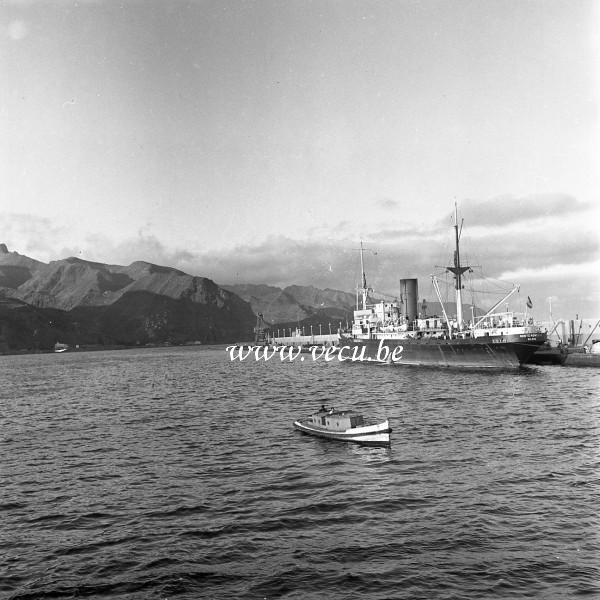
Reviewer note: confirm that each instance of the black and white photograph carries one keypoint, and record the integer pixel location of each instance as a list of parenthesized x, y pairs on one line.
[(299, 299)]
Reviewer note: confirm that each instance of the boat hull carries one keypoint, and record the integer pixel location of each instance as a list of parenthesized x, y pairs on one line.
[(579, 359), (501, 352), (371, 435), (548, 356)]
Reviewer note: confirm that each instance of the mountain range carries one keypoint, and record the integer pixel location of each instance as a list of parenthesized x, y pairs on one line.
[(87, 303), (296, 304)]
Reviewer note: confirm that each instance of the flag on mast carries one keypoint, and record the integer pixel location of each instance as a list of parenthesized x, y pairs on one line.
[(529, 302)]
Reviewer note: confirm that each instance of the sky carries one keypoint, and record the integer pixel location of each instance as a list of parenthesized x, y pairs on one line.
[(260, 141)]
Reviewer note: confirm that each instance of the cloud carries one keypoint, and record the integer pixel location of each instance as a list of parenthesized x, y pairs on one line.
[(142, 247), (37, 237), (572, 288), (502, 211), (42, 239), (282, 261), (506, 251), (274, 261), (554, 272), (540, 256), (558, 255), (408, 234)]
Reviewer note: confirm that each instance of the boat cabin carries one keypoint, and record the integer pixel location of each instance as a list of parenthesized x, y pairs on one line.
[(335, 420)]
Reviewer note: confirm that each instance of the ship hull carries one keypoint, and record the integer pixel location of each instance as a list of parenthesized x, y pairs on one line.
[(370, 435), (501, 352)]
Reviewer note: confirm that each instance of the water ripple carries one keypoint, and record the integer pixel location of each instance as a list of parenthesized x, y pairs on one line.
[(175, 473)]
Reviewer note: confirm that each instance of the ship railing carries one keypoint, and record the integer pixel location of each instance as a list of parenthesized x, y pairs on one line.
[(506, 319)]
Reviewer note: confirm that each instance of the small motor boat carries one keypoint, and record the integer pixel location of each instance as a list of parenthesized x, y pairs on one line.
[(345, 426)]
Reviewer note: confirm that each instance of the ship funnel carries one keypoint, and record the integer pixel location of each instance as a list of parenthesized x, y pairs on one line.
[(409, 293)]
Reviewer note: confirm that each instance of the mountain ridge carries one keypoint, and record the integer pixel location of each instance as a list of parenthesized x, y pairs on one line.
[(99, 303), (294, 303)]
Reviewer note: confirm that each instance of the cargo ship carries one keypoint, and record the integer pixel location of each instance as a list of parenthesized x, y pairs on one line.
[(394, 332)]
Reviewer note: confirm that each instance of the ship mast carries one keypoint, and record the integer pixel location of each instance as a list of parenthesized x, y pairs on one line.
[(458, 270), (365, 289)]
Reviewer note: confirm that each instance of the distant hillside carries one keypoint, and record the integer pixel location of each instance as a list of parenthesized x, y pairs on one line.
[(97, 303), (24, 327), (153, 318), (295, 303)]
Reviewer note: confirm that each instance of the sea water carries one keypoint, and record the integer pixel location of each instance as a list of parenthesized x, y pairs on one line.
[(176, 473)]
